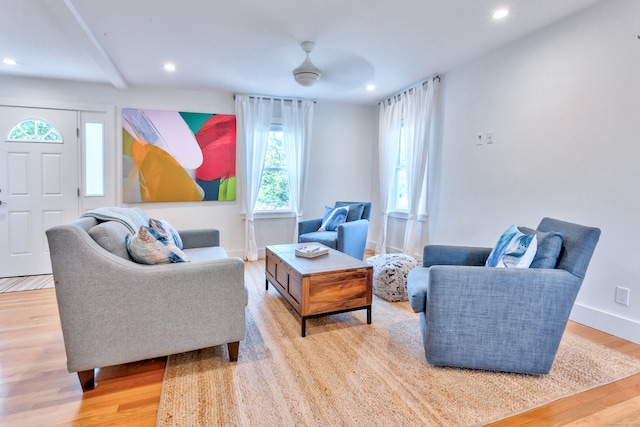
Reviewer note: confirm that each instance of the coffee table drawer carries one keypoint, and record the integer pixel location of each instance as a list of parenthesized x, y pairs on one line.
[(282, 274), (295, 286), (338, 291), (278, 269), (341, 276), (272, 264)]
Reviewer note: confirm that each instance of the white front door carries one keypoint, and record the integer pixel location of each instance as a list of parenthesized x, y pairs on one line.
[(38, 185)]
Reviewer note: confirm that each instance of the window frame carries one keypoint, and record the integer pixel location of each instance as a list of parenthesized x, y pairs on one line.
[(397, 211), (93, 158), (276, 126)]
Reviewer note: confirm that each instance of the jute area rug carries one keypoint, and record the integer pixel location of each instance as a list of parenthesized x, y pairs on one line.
[(348, 373)]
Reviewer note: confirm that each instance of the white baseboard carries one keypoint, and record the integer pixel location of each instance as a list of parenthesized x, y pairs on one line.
[(240, 253), (394, 250), (627, 329), (370, 245)]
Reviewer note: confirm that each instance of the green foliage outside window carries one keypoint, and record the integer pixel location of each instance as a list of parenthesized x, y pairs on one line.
[(274, 185)]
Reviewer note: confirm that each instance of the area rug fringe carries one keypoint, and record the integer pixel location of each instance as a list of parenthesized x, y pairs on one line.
[(345, 372)]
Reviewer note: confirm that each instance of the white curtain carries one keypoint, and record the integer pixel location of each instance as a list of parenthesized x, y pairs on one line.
[(390, 124), (297, 120), (418, 127), (253, 122), (411, 111)]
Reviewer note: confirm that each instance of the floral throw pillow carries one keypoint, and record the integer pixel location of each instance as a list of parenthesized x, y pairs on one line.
[(148, 246), (163, 227)]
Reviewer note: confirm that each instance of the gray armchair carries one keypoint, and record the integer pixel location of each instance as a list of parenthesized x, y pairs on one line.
[(499, 319), (350, 237)]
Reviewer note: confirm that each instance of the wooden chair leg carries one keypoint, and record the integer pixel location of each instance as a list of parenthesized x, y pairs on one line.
[(232, 347), (87, 379)]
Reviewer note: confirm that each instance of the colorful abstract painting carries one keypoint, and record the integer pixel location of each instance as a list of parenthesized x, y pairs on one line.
[(172, 156)]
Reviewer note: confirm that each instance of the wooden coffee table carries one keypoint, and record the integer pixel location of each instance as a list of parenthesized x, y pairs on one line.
[(314, 287)]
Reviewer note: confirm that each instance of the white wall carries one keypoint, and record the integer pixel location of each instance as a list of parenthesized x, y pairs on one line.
[(564, 106), (344, 142), (340, 152)]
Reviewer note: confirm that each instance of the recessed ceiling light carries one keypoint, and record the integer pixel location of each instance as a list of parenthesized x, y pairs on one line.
[(9, 61), (371, 87), (500, 14), (169, 66)]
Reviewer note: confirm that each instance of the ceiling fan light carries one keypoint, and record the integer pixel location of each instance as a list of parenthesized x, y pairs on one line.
[(306, 79), (307, 74)]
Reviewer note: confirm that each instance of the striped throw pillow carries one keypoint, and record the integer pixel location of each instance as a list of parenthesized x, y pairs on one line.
[(333, 217)]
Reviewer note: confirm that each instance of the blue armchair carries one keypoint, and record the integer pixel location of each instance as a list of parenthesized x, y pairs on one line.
[(498, 319), (350, 237)]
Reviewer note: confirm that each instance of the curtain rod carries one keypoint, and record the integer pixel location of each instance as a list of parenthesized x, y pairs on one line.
[(434, 78), (276, 98)]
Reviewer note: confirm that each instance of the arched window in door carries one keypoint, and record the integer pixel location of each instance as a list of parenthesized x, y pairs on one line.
[(34, 130)]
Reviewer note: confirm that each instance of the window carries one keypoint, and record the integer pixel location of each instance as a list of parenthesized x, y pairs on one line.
[(400, 199), (34, 130), (94, 159), (274, 184)]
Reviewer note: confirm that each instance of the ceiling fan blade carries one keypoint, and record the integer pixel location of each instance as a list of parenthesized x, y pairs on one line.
[(348, 71)]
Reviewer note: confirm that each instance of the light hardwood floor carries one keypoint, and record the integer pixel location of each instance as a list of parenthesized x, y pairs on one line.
[(37, 390)]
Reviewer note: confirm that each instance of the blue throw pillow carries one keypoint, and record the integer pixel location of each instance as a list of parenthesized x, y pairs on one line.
[(513, 250), (333, 217), (355, 210), (549, 246)]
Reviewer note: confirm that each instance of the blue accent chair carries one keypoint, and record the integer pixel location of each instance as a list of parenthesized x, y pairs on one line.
[(498, 319), (350, 238)]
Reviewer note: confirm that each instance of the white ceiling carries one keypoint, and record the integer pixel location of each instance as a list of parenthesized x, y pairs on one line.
[(251, 46)]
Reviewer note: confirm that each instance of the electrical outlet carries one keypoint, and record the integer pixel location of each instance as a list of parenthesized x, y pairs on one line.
[(622, 295)]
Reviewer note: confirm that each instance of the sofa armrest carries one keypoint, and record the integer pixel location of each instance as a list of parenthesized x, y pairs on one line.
[(454, 255), (200, 238), (486, 289), (448, 287), (352, 237), (309, 225), (418, 288)]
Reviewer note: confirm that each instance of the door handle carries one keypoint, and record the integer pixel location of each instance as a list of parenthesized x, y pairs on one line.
[(2, 203)]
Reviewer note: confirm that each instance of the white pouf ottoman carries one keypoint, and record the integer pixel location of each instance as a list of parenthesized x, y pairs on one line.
[(390, 275)]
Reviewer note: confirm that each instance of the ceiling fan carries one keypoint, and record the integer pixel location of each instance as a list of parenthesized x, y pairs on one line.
[(307, 74)]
